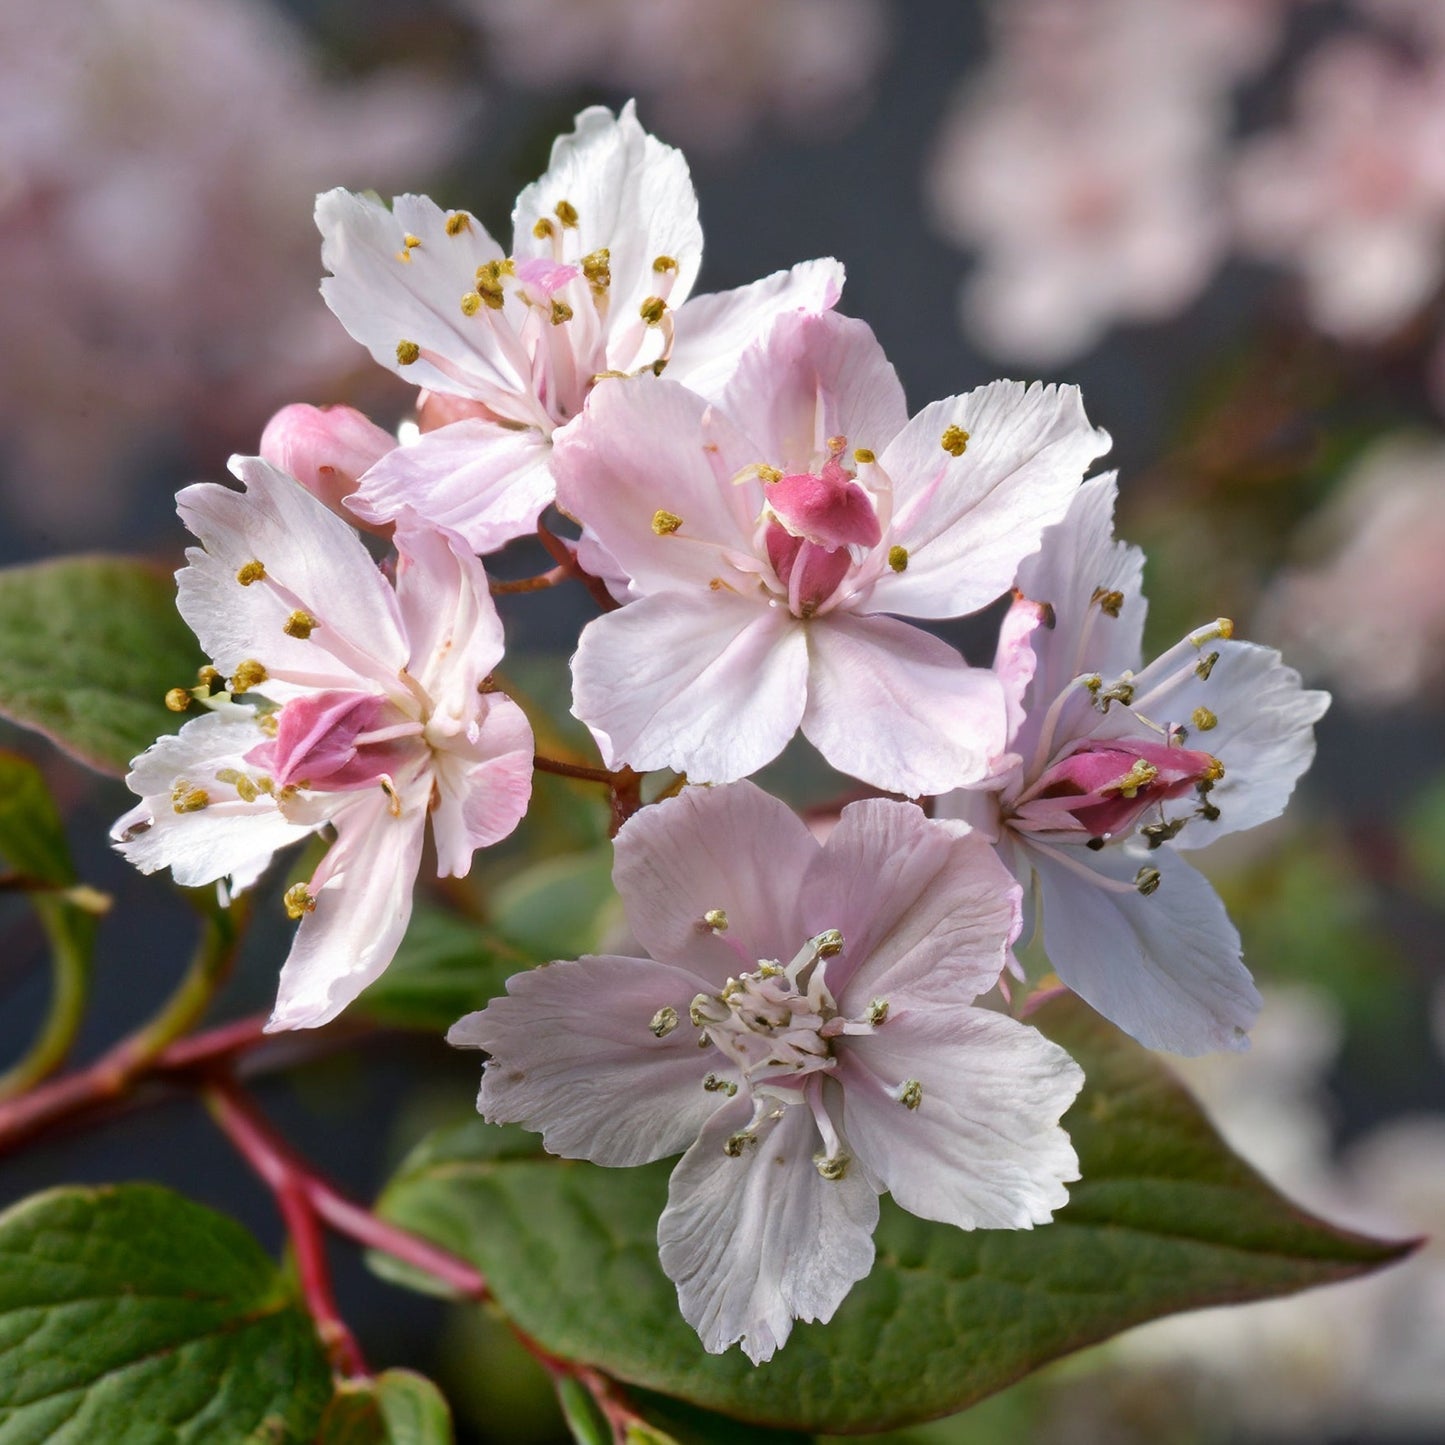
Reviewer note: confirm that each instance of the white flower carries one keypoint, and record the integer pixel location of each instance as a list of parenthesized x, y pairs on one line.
[(830, 988), (1112, 769), (605, 249), (376, 714)]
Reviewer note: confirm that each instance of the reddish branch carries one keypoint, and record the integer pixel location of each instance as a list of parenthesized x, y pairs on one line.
[(563, 556), (533, 584)]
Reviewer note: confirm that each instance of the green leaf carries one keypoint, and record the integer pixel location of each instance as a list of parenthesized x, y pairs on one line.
[(398, 1407), (1165, 1218), (447, 966), (89, 647), (587, 1424), (559, 908), (131, 1315), (32, 843)]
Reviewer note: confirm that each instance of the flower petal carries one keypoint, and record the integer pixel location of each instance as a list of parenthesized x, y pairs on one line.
[(575, 1057), (361, 910), (734, 848), (757, 1241), (321, 566), (967, 518), (982, 1146), (920, 906), (894, 706), (711, 685), (1165, 967), (486, 481), (631, 194), (483, 784), (713, 331)]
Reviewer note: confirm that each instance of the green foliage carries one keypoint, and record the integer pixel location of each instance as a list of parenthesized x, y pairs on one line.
[(561, 907), (89, 647), (130, 1315), (1165, 1218), (1423, 839), (447, 966), (398, 1407)]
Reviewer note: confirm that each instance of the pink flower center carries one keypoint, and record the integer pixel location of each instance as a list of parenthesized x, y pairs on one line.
[(321, 743), (1101, 789)]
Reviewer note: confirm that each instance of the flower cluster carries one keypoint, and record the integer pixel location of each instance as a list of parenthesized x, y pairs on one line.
[(814, 1022)]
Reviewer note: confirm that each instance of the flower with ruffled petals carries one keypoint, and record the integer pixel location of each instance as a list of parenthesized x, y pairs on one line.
[(605, 249), (1111, 769), (764, 539), (376, 713), (804, 1030)]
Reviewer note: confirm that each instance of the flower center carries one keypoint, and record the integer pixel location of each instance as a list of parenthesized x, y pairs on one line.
[(331, 742)]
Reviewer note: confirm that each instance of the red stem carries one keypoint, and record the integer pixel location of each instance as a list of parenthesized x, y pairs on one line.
[(574, 770), (560, 554), (532, 584)]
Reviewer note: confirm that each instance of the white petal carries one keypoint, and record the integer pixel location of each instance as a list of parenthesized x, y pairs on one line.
[(919, 905), (760, 1240), (1077, 558), (711, 685), (968, 521), (983, 1148), (229, 837), (632, 194), (483, 784), (814, 377), (574, 1056), (734, 848), (894, 706), (486, 481), (1165, 967), (645, 446), (317, 560), (1251, 712), (713, 331), (361, 911), (382, 300)]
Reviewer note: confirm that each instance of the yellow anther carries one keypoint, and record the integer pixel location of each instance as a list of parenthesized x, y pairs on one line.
[(830, 943), (471, 303), (768, 475), (407, 352), (664, 264), (246, 790), (190, 801), (1221, 627), (1139, 776), (665, 523), (877, 1011), (267, 722), (716, 920), (653, 310), (663, 1022), (410, 242), (247, 675), (393, 798), (1108, 601), (178, 699), (1147, 880), (403, 255), (298, 901), (266, 784), (561, 312), (1205, 666), (898, 558), (299, 624), (208, 676), (863, 456), (955, 441), (1204, 719), (543, 229), (911, 1094), (458, 222), (831, 1169), (249, 572), (1214, 771), (565, 212), (657, 367), (597, 268)]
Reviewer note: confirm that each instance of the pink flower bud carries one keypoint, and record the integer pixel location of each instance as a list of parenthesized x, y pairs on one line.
[(326, 448)]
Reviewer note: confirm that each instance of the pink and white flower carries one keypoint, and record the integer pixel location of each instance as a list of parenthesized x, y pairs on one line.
[(605, 249), (764, 539), (1110, 770), (377, 713), (830, 988)]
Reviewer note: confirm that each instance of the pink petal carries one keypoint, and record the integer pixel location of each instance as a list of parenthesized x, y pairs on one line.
[(574, 1056), (711, 685), (326, 448), (896, 707)]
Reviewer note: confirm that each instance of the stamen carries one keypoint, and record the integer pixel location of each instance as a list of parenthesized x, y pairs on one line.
[(561, 312), (1109, 602), (1221, 627), (663, 1023), (898, 558), (1147, 880), (955, 441), (178, 699), (664, 264), (1205, 666), (458, 222), (543, 229), (298, 901), (1204, 719), (1156, 834), (716, 920), (877, 1011), (1140, 775), (249, 572), (653, 310), (833, 1168), (566, 212), (190, 800), (863, 456), (393, 798), (407, 352), (471, 303), (247, 675), (664, 523), (299, 625), (910, 1094), (597, 268), (714, 1085)]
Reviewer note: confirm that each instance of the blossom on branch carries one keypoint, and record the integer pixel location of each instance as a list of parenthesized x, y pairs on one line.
[(804, 1030), (764, 539), (349, 704), (605, 250), (1110, 770)]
